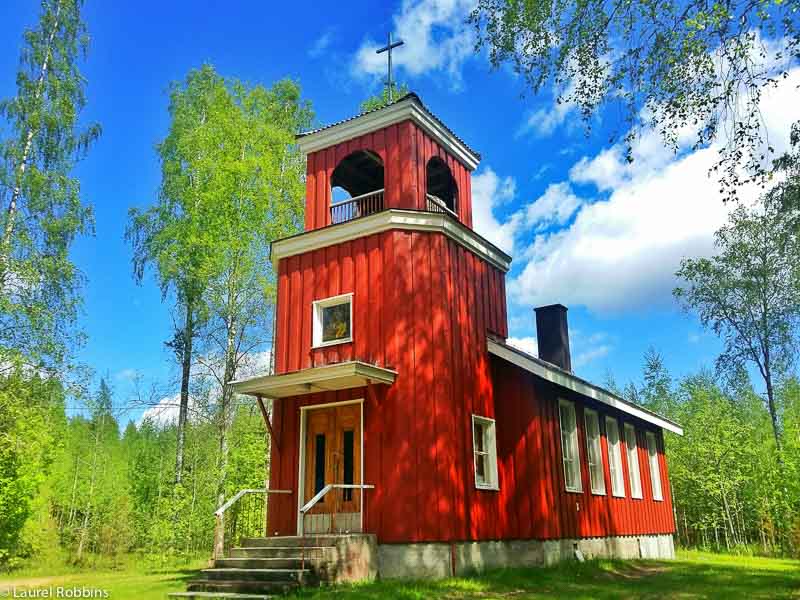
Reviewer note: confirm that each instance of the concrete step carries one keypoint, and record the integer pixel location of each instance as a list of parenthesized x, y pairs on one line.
[(281, 551), (218, 596), (281, 575), (250, 562), (293, 540), (233, 586)]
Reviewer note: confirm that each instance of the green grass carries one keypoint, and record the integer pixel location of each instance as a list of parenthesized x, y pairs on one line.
[(134, 580), (693, 575)]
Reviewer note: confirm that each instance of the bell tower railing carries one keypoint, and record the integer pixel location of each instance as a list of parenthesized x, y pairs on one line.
[(359, 206)]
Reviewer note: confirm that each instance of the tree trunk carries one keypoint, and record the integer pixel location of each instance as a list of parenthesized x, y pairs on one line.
[(90, 496), (11, 211), (186, 371), (227, 398), (773, 415)]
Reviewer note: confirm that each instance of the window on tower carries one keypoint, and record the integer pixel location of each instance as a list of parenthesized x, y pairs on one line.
[(442, 192), (356, 186), (333, 320)]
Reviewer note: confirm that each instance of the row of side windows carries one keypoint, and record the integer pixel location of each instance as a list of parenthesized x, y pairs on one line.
[(484, 447), (570, 453)]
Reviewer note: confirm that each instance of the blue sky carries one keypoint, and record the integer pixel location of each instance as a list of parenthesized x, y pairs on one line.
[(585, 229)]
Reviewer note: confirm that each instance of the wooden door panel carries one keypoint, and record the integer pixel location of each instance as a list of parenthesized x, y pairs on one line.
[(333, 455)]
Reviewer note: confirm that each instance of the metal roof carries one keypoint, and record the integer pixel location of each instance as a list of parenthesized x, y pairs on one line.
[(409, 97), (570, 381)]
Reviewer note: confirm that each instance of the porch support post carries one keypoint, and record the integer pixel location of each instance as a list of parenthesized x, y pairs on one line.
[(264, 414)]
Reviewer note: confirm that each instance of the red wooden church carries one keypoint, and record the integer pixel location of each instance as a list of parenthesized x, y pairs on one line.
[(400, 414)]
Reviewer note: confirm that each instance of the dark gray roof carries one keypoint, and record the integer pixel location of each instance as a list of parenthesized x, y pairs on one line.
[(410, 97)]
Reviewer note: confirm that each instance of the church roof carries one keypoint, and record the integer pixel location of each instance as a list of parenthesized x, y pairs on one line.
[(434, 125), (570, 381)]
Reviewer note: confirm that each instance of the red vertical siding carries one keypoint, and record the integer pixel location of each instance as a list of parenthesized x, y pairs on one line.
[(405, 150), (423, 305)]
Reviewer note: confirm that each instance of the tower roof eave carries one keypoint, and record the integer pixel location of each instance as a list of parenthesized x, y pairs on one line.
[(409, 107)]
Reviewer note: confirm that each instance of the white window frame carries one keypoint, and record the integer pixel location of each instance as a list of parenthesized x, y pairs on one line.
[(615, 459), (490, 451), (634, 470), (316, 312), (570, 443), (594, 452), (655, 468)]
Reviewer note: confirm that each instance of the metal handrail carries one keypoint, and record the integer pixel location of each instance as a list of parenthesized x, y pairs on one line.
[(219, 516), (359, 197), (343, 486), (321, 494)]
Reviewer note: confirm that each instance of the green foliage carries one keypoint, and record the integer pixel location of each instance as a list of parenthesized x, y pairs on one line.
[(728, 487), (674, 65), (42, 208), (31, 418), (382, 99), (748, 293)]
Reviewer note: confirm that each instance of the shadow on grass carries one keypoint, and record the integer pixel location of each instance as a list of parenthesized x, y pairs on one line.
[(177, 575), (601, 579)]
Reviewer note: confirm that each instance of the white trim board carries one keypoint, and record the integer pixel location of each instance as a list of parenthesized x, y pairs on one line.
[(337, 376), (571, 382), (409, 110), (394, 218)]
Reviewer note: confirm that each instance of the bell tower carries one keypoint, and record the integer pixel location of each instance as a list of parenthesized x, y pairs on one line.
[(400, 156), (386, 301)]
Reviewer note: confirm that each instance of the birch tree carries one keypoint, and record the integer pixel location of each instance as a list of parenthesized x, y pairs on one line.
[(257, 197), (673, 66), (42, 207), (749, 295), (173, 236)]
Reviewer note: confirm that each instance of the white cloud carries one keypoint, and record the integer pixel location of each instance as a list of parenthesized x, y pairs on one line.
[(543, 122), (488, 192), (165, 412), (622, 252), (321, 44), (526, 344), (584, 358), (436, 37), (126, 375), (554, 207), (588, 348)]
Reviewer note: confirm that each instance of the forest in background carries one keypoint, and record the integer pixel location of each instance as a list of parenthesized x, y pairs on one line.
[(86, 486)]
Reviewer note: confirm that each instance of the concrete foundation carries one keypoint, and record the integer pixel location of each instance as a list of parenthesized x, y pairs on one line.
[(434, 560)]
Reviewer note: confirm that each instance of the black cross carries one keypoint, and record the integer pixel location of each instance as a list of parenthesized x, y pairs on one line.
[(388, 49)]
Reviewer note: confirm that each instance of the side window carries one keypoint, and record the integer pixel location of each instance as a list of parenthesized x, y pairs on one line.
[(634, 474), (594, 454), (569, 446), (655, 470), (484, 445), (615, 458), (333, 320)]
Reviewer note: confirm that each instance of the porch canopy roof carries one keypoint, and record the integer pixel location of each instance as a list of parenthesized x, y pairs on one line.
[(340, 376)]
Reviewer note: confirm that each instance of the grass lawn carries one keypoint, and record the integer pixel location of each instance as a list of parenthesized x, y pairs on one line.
[(693, 575), (131, 582)]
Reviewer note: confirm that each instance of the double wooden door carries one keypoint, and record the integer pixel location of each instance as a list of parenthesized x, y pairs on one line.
[(333, 455)]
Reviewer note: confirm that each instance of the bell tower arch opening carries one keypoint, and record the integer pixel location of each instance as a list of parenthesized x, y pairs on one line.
[(441, 188), (356, 186)]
